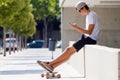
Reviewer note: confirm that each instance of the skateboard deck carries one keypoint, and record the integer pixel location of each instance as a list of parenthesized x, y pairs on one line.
[(49, 75)]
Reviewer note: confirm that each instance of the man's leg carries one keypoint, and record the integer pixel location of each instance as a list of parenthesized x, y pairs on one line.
[(64, 57), (50, 66)]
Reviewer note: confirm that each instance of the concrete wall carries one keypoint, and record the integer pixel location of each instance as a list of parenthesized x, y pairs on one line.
[(69, 15), (102, 63), (96, 62), (110, 26), (78, 61)]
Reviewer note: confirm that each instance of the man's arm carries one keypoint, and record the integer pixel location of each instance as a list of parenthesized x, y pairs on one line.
[(83, 31)]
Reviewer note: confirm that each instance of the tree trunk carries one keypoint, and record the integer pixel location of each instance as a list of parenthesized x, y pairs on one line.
[(4, 41), (10, 43), (25, 42), (45, 38), (22, 42), (17, 40), (13, 42), (20, 46)]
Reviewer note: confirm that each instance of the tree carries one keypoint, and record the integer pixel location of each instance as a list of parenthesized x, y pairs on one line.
[(43, 9), (23, 23), (8, 9), (16, 15)]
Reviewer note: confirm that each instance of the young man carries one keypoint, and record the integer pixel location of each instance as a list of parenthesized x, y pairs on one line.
[(90, 36)]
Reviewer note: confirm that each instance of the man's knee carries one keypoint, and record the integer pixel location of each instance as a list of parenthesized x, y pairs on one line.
[(71, 49)]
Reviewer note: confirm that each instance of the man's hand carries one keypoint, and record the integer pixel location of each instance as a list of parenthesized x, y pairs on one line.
[(81, 30), (74, 26)]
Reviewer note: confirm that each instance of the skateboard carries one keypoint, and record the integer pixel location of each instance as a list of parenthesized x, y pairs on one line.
[(49, 75)]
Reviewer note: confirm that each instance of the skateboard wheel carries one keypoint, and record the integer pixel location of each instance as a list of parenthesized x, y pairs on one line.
[(47, 76), (42, 75), (58, 76)]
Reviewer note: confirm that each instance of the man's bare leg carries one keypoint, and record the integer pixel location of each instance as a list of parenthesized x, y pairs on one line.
[(64, 57)]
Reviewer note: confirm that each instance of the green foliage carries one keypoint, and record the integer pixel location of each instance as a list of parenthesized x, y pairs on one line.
[(30, 30), (17, 15), (8, 8), (45, 8)]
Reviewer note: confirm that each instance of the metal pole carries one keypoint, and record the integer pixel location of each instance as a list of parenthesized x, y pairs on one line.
[(52, 55)]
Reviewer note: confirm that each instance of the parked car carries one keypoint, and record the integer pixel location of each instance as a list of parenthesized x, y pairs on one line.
[(1, 49), (36, 44), (59, 44), (11, 41)]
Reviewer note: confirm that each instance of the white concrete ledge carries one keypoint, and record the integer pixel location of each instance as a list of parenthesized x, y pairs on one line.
[(102, 63), (96, 62)]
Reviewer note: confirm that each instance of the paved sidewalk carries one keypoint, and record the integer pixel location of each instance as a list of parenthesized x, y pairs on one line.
[(23, 66)]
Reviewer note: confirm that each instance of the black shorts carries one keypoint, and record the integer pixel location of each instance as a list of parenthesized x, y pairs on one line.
[(80, 43)]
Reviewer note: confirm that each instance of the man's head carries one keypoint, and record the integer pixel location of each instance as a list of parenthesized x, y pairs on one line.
[(82, 7)]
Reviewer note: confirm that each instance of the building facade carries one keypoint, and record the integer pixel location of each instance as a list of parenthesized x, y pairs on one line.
[(108, 12)]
